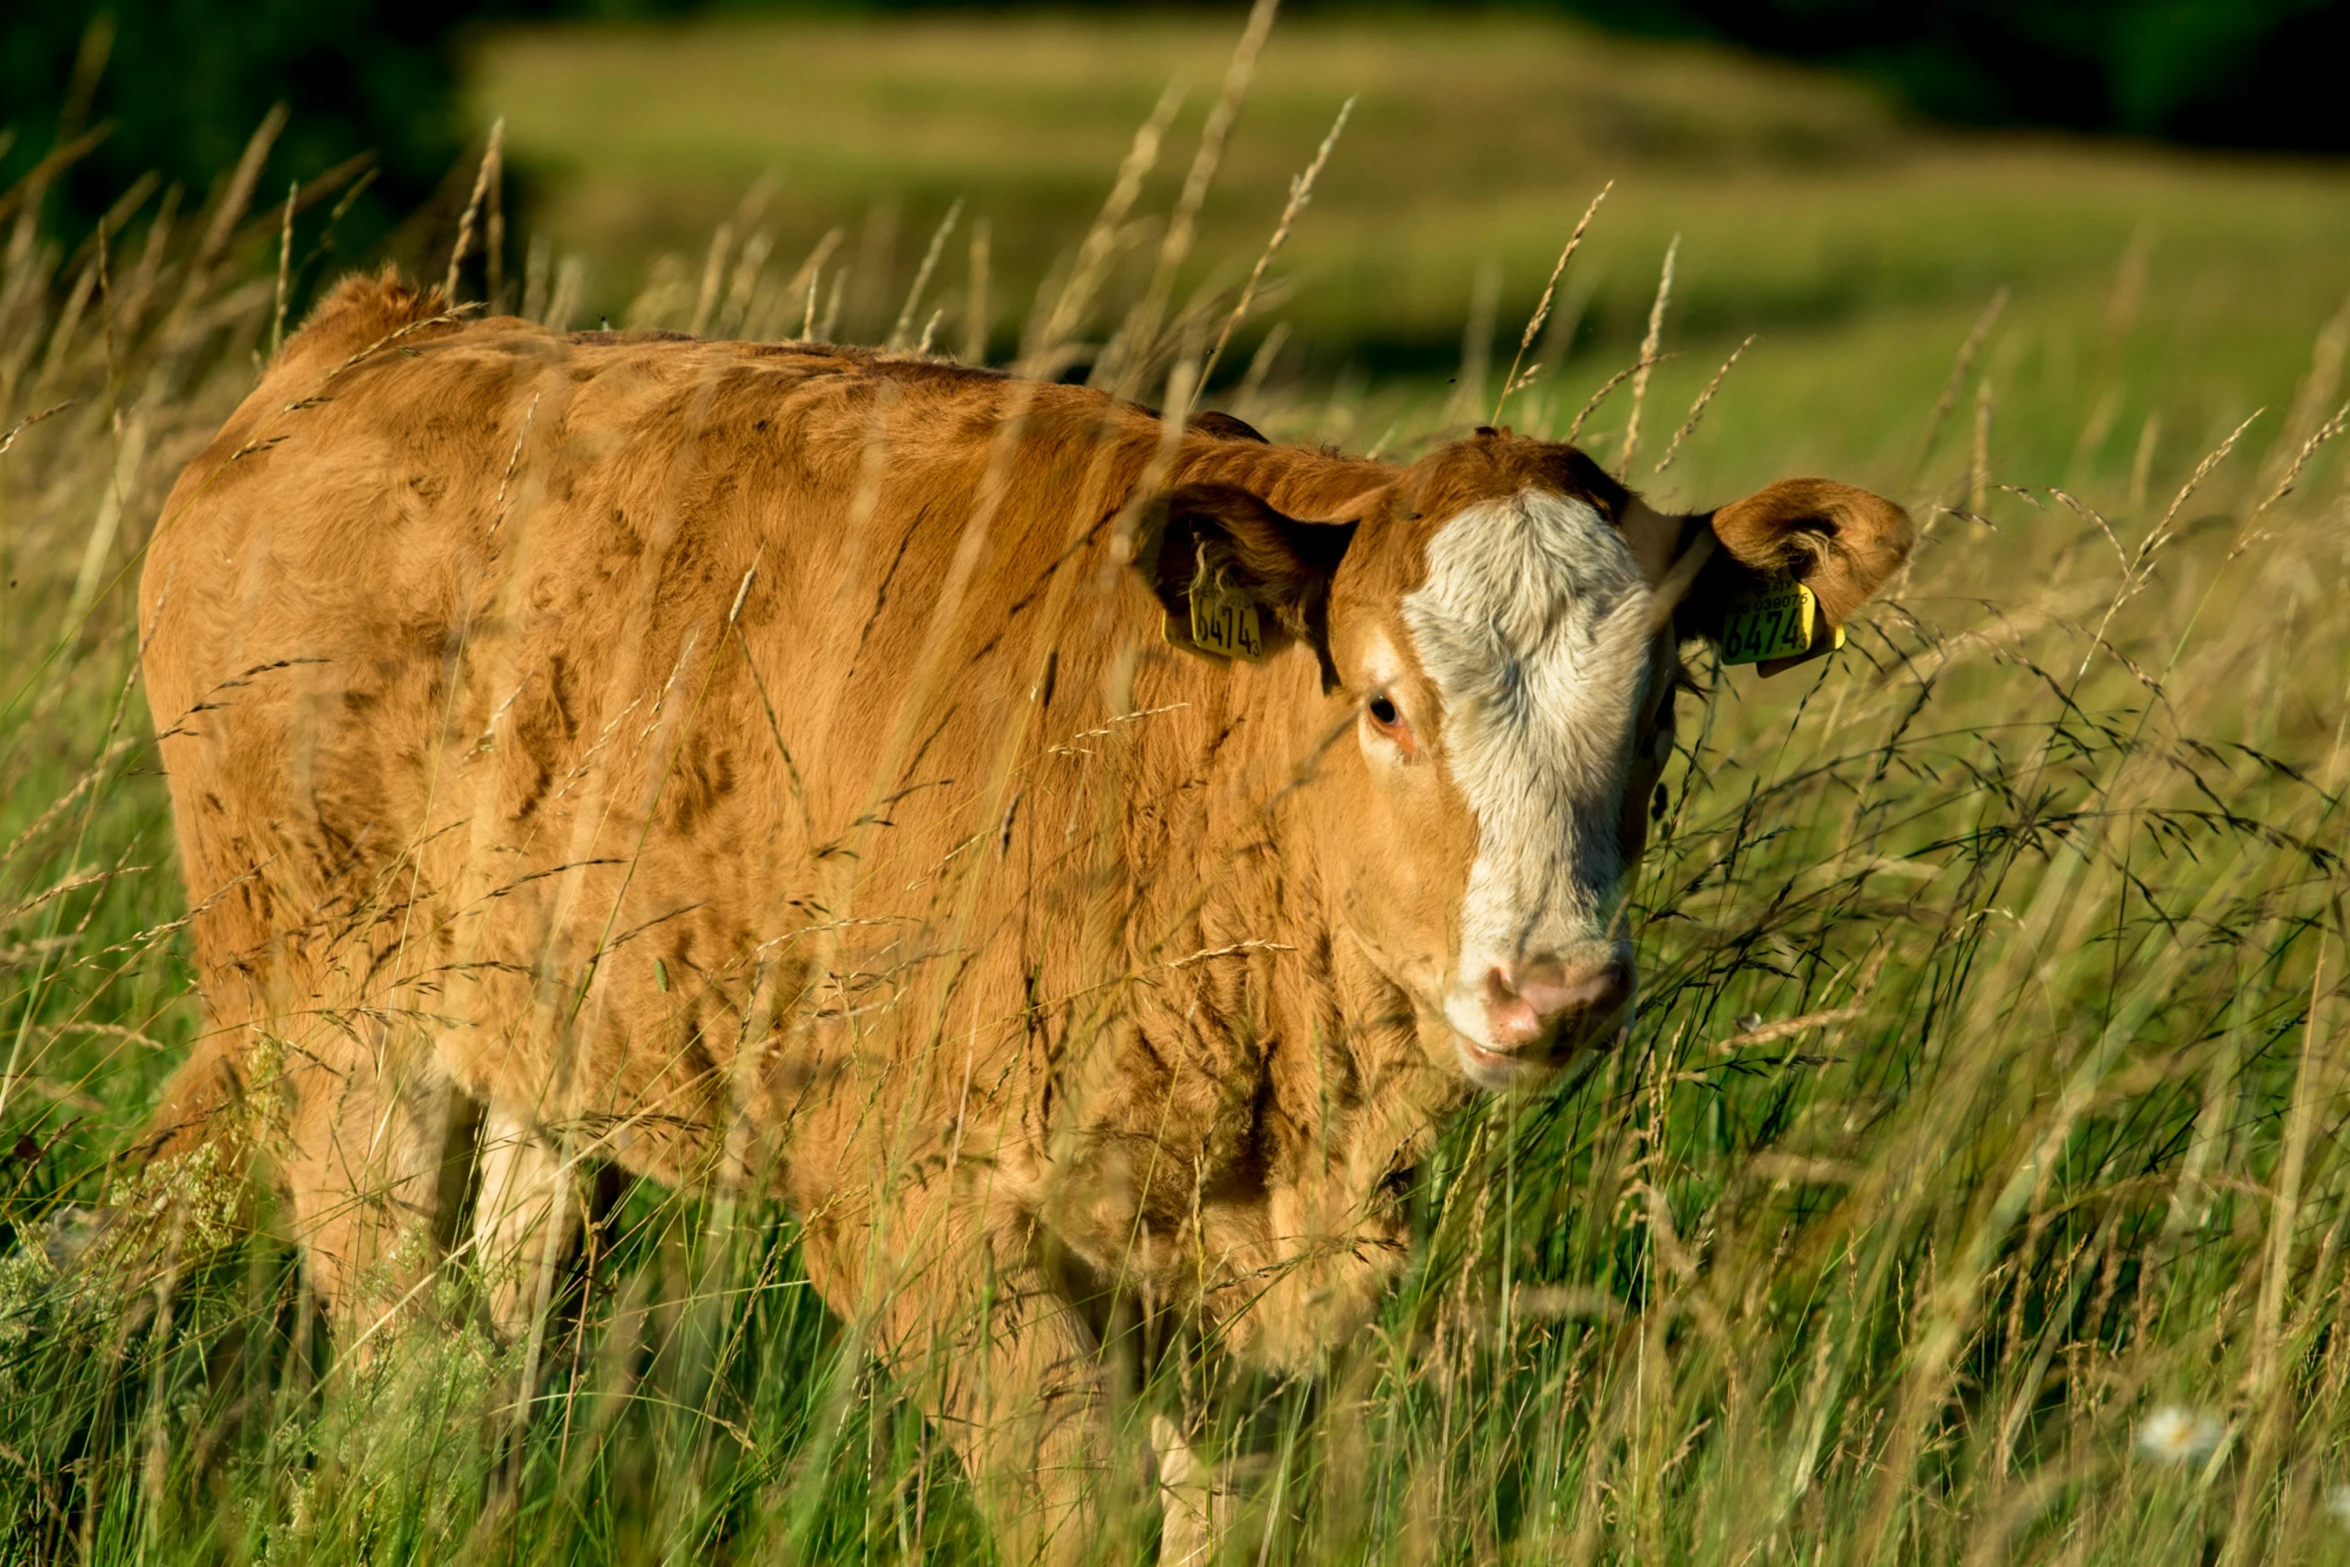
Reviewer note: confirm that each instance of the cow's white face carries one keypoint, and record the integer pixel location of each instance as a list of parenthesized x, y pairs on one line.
[(1510, 709), (1499, 628), (1533, 629)]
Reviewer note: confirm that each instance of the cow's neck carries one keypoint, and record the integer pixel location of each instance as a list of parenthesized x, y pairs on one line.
[(1287, 1081)]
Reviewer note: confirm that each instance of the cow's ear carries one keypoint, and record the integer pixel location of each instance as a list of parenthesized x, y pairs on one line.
[(1841, 542), (1235, 578)]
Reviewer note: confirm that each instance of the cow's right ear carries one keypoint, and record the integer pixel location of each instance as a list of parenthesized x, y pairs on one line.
[(1839, 542), (1235, 578)]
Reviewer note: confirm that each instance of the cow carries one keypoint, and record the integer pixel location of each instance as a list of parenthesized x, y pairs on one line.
[(1070, 855)]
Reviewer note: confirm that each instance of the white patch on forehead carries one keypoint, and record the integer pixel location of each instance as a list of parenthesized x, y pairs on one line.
[(1533, 624)]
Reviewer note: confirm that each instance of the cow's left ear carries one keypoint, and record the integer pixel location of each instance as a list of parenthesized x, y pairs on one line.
[(1236, 578), (1841, 542)]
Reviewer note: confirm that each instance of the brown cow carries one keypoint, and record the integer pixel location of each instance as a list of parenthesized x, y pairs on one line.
[(1059, 852)]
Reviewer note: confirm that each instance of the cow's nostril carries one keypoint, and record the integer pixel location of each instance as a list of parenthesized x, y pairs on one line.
[(1530, 1000), (1514, 1020)]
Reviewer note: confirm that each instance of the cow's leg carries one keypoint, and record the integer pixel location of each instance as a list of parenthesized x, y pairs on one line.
[(358, 1136), (1018, 1386), (373, 1128), (1004, 1364), (200, 1118), (184, 1180), (1197, 1503), (523, 1223), (1037, 1422), (200, 1102)]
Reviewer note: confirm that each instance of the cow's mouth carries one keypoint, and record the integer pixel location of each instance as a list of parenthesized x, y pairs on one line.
[(1543, 1052), (1498, 1071)]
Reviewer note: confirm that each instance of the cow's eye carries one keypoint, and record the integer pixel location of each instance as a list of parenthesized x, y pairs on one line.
[(1388, 719)]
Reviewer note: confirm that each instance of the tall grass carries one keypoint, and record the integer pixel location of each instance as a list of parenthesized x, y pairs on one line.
[(1970, 1189)]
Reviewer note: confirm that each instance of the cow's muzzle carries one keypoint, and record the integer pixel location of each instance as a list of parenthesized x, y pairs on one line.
[(1529, 1016)]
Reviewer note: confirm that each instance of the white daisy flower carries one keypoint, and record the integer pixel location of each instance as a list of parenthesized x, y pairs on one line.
[(2175, 1435)]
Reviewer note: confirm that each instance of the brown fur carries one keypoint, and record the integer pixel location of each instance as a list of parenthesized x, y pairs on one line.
[(753, 766)]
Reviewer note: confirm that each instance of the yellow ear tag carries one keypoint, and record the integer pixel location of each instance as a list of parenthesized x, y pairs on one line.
[(1225, 622), (1780, 620)]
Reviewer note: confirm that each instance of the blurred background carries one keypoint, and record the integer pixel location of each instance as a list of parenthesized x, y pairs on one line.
[(1852, 181)]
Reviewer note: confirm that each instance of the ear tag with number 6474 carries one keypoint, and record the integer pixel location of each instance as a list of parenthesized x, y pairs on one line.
[(1223, 621), (1780, 620)]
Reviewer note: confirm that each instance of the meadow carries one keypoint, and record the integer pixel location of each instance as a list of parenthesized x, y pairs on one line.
[(1971, 1187)]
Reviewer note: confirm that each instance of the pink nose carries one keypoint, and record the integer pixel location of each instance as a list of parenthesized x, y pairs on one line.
[(1557, 1002)]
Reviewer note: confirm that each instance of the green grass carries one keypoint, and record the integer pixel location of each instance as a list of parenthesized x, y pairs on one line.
[(1988, 1094)]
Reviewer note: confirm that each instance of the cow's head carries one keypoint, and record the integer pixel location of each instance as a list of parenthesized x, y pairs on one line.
[(1503, 623)]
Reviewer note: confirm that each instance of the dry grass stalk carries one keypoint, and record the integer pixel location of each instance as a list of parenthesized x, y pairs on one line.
[(235, 197), (2139, 570), (494, 245), (8, 438), (61, 336), (2121, 314), (569, 290), (1260, 365), (1074, 302), (824, 325), (1591, 406), (1301, 191), (1534, 323), (713, 275), (2095, 518), (2316, 1081), (1126, 364), (482, 179), (24, 199), (239, 193), (1468, 386), (2218, 454), (2129, 286), (536, 273), (1979, 469), (1697, 408), (1648, 357), (1971, 346), (2142, 460), (977, 312), (802, 290), (2290, 477), (285, 266), (938, 245), (2317, 389), (749, 268)]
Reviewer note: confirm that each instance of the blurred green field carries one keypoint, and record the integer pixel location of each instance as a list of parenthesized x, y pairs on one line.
[(1974, 1186), (1859, 246)]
